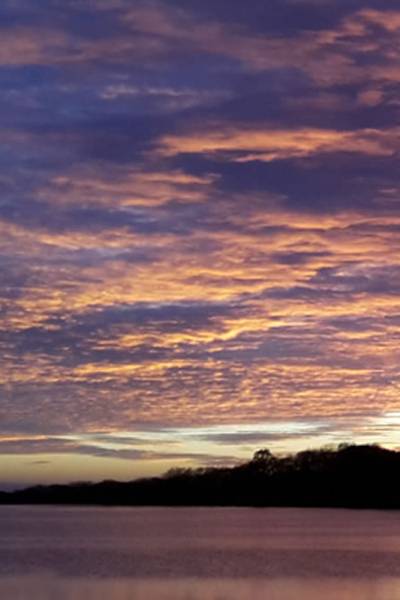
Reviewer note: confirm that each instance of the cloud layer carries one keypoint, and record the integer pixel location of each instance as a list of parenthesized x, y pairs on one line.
[(199, 222)]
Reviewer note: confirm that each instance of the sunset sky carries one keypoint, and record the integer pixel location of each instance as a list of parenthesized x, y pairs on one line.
[(200, 232)]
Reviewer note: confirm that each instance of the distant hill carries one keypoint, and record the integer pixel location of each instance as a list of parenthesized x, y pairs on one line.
[(349, 476)]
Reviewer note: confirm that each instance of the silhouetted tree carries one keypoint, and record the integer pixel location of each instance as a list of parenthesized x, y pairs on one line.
[(352, 476)]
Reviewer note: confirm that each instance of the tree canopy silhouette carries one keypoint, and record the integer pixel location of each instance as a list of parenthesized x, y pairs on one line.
[(364, 476)]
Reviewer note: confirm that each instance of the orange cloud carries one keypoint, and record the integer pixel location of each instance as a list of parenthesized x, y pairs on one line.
[(273, 144), (388, 19)]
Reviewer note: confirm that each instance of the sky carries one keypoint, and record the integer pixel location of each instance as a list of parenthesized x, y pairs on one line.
[(199, 232)]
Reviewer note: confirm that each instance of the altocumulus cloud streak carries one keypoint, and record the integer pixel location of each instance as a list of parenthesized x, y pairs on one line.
[(200, 225)]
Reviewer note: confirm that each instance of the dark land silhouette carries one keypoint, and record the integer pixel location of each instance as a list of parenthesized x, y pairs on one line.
[(349, 476)]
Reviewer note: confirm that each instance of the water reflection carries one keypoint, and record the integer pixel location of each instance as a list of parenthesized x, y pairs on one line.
[(47, 587), (61, 553)]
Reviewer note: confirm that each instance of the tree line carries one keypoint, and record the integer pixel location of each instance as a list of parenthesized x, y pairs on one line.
[(353, 476)]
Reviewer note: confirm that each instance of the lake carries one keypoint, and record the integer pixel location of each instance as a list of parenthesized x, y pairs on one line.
[(73, 553)]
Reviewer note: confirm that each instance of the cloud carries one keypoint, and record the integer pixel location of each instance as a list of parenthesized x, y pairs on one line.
[(55, 446), (387, 19), (256, 438), (272, 144), (199, 223)]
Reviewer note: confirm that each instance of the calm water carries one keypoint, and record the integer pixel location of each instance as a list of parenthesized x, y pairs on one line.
[(198, 553)]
